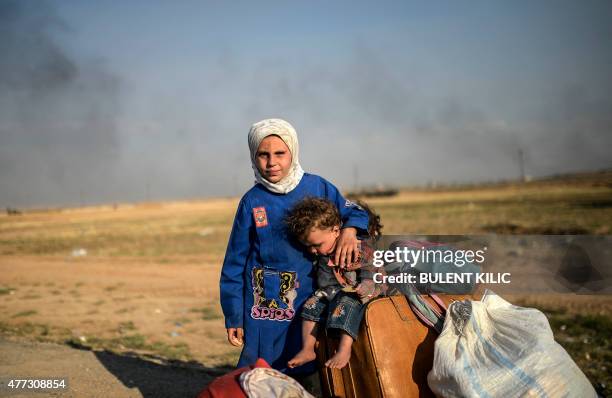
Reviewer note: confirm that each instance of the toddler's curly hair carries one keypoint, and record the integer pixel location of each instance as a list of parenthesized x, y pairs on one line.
[(320, 213), (312, 213)]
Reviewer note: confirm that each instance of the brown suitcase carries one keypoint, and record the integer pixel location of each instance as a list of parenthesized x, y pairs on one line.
[(390, 358)]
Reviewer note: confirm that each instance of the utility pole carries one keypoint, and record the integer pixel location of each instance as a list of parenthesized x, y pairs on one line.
[(521, 160)]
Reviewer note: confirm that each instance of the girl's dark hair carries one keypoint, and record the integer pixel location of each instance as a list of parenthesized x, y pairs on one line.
[(320, 213), (374, 225)]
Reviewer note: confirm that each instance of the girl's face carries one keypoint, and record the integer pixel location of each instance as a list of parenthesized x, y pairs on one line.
[(273, 159), (322, 241)]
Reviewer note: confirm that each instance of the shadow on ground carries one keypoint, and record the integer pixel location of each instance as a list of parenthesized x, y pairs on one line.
[(172, 379)]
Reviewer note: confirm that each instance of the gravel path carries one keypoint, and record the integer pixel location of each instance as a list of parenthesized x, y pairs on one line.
[(96, 374)]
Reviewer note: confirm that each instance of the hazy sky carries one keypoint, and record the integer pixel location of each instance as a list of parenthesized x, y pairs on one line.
[(124, 101)]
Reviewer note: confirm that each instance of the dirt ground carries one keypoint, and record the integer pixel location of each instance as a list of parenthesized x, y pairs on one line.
[(131, 291), (146, 313), (93, 304), (93, 301)]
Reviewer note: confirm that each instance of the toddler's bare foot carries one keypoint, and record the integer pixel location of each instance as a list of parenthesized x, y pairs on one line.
[(339, 360), (301, 358)]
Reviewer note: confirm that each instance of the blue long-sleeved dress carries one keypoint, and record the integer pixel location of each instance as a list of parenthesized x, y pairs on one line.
[(267, 276)]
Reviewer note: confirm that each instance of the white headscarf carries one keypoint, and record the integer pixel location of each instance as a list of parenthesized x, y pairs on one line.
[(286, 132)]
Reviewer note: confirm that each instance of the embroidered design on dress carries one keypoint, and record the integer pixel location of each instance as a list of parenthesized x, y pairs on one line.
[(277, 308)]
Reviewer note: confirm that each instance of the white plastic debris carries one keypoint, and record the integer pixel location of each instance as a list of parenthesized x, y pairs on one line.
[(80, 252), (206, 231)]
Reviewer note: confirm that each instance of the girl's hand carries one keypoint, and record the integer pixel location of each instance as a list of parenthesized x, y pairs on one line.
[(347, 248), (235, 336)]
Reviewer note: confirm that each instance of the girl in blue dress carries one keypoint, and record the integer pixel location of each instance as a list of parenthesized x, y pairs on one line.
[(266, 275)]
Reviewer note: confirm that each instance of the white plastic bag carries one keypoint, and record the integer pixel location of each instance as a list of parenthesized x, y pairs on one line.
[(491, 348)]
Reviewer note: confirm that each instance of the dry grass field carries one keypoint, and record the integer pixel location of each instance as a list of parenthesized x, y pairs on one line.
[(143, 278)]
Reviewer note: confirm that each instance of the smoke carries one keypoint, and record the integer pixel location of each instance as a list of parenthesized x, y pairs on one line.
[(391, 109), (373, 117), (57, 113)]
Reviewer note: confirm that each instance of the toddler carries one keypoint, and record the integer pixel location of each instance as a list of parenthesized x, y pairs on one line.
[(342, 292)]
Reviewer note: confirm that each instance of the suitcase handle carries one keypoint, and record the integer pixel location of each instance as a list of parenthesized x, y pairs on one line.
[(397, 303)]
